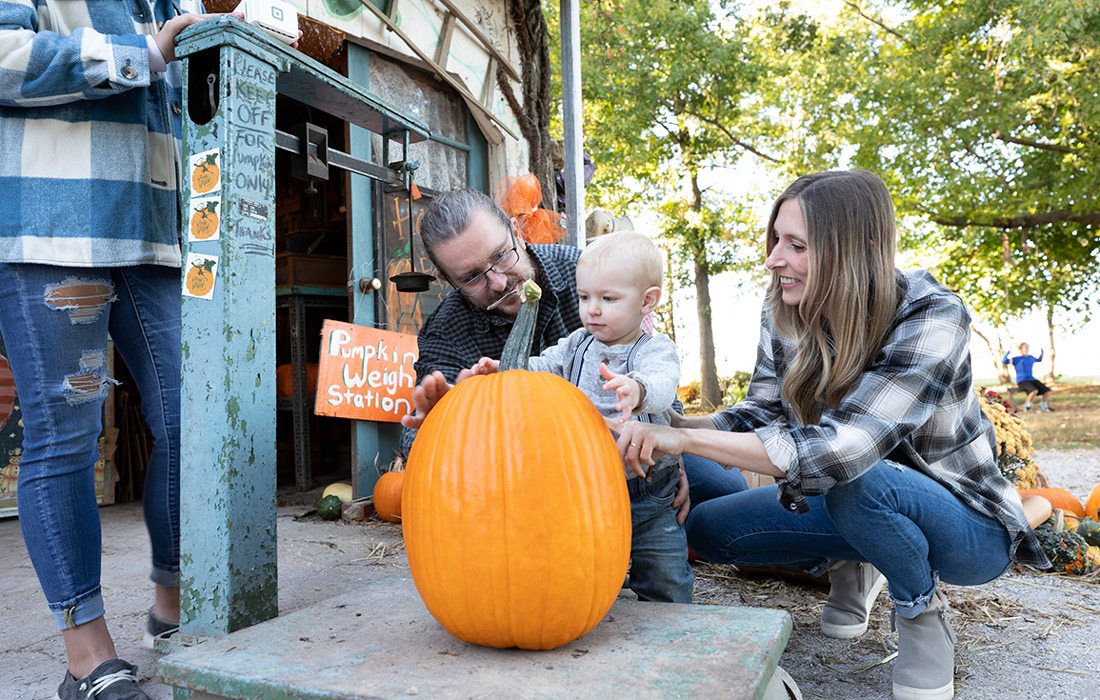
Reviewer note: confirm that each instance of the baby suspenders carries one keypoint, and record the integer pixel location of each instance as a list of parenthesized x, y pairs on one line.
[(574, 369)]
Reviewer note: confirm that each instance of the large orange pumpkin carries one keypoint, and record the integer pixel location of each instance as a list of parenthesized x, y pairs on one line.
[(387, 496), (515, 510)]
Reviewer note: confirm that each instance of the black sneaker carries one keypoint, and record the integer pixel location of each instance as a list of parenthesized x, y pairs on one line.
[(111, 680), (157, 629)]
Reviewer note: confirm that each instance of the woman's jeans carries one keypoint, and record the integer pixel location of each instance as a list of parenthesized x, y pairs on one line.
[(909, 527), (55, 322), (708, 479)]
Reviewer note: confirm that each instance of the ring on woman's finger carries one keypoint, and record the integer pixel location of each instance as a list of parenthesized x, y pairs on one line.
[(633, 444)]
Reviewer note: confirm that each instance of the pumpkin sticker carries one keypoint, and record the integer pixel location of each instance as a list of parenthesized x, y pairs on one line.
[(204, 219), (199, 275), (206, 172)]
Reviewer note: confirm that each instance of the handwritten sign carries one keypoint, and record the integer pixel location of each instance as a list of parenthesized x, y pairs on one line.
[(365, 373)]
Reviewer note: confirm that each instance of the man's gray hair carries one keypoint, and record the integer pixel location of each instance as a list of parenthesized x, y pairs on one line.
[(449, 215)]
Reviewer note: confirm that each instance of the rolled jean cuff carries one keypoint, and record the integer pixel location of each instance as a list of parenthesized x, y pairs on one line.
[(165, 577), (821, 568), (911, 609), (81, 612)]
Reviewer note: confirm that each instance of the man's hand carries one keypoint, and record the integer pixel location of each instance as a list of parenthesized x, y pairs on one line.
[(485, 365), (428, 392), (629, 392), (425, 396)]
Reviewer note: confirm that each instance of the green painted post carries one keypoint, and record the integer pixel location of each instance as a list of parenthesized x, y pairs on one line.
[(227, 467), (371, 440), (232, 72)]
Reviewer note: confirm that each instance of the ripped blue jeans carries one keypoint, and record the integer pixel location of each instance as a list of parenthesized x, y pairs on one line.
[(55, 322), (909, 527)]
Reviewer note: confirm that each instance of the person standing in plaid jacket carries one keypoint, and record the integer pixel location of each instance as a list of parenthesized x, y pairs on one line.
[(90, 107)]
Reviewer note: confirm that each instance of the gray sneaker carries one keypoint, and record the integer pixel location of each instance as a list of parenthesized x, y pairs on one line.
[(925, 666), (853, 588), (111, 680), (157, 630)]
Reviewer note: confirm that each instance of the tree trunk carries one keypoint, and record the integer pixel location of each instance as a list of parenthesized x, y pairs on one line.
[(1050, 335), (533, 114), (710, 393), (1000, 369)]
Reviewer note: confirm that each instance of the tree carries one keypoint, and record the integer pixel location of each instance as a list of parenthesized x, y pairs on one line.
[(982, 116), (667, 92)]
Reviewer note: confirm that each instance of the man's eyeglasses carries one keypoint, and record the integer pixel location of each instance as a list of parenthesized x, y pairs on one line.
[(503, 263)]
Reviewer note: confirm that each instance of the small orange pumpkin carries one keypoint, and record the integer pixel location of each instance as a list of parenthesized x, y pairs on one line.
[(1059, 498), (515, 511), (284, 379), (387, 496), (1092, 505)]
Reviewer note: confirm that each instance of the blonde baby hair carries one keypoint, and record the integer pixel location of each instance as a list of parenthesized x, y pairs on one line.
[(626, 250)]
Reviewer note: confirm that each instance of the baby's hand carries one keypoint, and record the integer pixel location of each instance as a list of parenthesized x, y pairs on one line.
[(485, 365), (629, 391)]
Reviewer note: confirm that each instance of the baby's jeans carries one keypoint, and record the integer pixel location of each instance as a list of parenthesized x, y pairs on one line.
[(659, 569)]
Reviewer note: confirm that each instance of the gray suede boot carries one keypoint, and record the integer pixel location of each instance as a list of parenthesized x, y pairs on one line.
[(925, 666), (853, 588)]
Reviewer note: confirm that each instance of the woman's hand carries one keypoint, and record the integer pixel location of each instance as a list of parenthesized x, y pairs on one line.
[(644, 443), (166, 37)]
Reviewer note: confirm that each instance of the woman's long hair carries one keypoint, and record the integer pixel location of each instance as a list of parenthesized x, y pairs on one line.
[(850, 294)]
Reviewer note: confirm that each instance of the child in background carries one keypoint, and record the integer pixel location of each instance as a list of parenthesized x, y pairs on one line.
[(630, 375), (1022, 364)]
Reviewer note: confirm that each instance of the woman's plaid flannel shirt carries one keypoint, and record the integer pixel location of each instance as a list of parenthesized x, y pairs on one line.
[(915, 405)]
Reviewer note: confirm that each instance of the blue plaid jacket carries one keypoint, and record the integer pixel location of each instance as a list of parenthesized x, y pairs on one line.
[(915, 405), (89, 136)]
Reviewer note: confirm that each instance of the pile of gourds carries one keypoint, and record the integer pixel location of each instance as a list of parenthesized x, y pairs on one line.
[(1070, 537)]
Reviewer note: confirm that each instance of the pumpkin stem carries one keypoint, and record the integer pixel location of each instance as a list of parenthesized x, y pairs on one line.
[(517, 349)]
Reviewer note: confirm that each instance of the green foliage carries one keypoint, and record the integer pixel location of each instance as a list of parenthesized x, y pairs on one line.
[(982, 117), (734, 388)]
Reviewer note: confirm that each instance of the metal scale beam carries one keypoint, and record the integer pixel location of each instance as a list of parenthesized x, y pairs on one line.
[(232, 73)]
